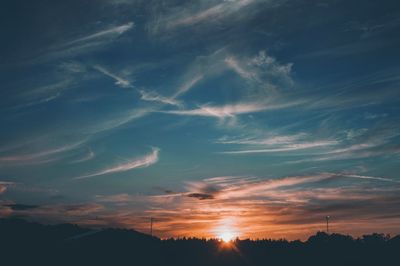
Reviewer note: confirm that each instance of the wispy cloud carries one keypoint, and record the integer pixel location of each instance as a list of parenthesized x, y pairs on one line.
[(231, 110), (270, 140), (223, 9), (199, 70), (73, 67), (4, 185), (372, 178), (85, 43), (231, 187), (364, 144), (116, 120), (189, 82), (192, 77), (244, 73), (359, 91), (221, 111), (260, 68), (262, 73), (288, 147), (203, 13), (124, 83), (39, 157), (153, 96), (88, 156), (141, 162), (104, 34), (371, 28), (237, 187), (117, 198), (276, 143), (42, 94)]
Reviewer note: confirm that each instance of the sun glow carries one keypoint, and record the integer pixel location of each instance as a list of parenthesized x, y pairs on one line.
[(226, 236), (226, 231)]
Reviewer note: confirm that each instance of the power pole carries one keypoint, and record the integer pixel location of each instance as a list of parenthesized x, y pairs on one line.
[(327, 223), (151, 226)]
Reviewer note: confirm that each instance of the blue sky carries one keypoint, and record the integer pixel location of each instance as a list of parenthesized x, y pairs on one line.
[(269, 114)]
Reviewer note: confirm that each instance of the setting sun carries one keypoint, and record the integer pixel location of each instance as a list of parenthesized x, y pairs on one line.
[(227, 230), (226, 236)]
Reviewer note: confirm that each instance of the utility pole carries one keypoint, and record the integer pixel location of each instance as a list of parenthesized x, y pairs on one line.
[(151, 226), (327, 223)]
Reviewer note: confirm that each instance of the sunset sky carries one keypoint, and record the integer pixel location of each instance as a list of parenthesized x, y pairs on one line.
[(247, 118)]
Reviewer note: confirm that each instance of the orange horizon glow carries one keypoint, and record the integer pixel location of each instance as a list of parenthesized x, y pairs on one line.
[(242, 228), (226, 230), (240, 207)]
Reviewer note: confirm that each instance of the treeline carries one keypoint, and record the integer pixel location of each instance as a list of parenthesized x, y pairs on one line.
[(26, 243)]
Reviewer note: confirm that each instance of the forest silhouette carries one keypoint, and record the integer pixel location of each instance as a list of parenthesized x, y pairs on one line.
[(28, 243)]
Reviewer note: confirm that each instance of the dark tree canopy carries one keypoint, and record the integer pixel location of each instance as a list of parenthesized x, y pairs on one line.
[(26, 243)]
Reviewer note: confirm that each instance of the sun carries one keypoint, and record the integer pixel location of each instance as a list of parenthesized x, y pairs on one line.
[(226, 236), (226, 231)]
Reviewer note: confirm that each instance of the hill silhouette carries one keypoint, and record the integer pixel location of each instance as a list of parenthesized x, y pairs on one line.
[(27, 243)]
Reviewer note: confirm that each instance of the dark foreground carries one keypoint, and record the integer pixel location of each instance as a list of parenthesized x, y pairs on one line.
[(24, 243)]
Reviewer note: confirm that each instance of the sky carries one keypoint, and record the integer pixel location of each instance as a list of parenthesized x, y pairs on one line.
[(249, 118)]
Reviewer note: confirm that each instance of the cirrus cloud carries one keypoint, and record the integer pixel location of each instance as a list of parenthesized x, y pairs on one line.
[(141, 162)]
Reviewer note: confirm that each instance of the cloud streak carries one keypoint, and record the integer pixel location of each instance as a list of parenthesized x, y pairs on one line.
[(260, 68), (84, 44), (88, 156), (191, 81), (118, 80), (117, 120), (141, 162), (104, 34), (222, 9), (372, 178), (203, 13), (153, 96), (231, 110), (39, 157), (288, 147)]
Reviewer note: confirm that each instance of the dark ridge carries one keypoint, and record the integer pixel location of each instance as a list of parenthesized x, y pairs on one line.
[(27, 243)]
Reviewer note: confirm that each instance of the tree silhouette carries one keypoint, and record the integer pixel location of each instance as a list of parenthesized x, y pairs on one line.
[(26, 243)]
